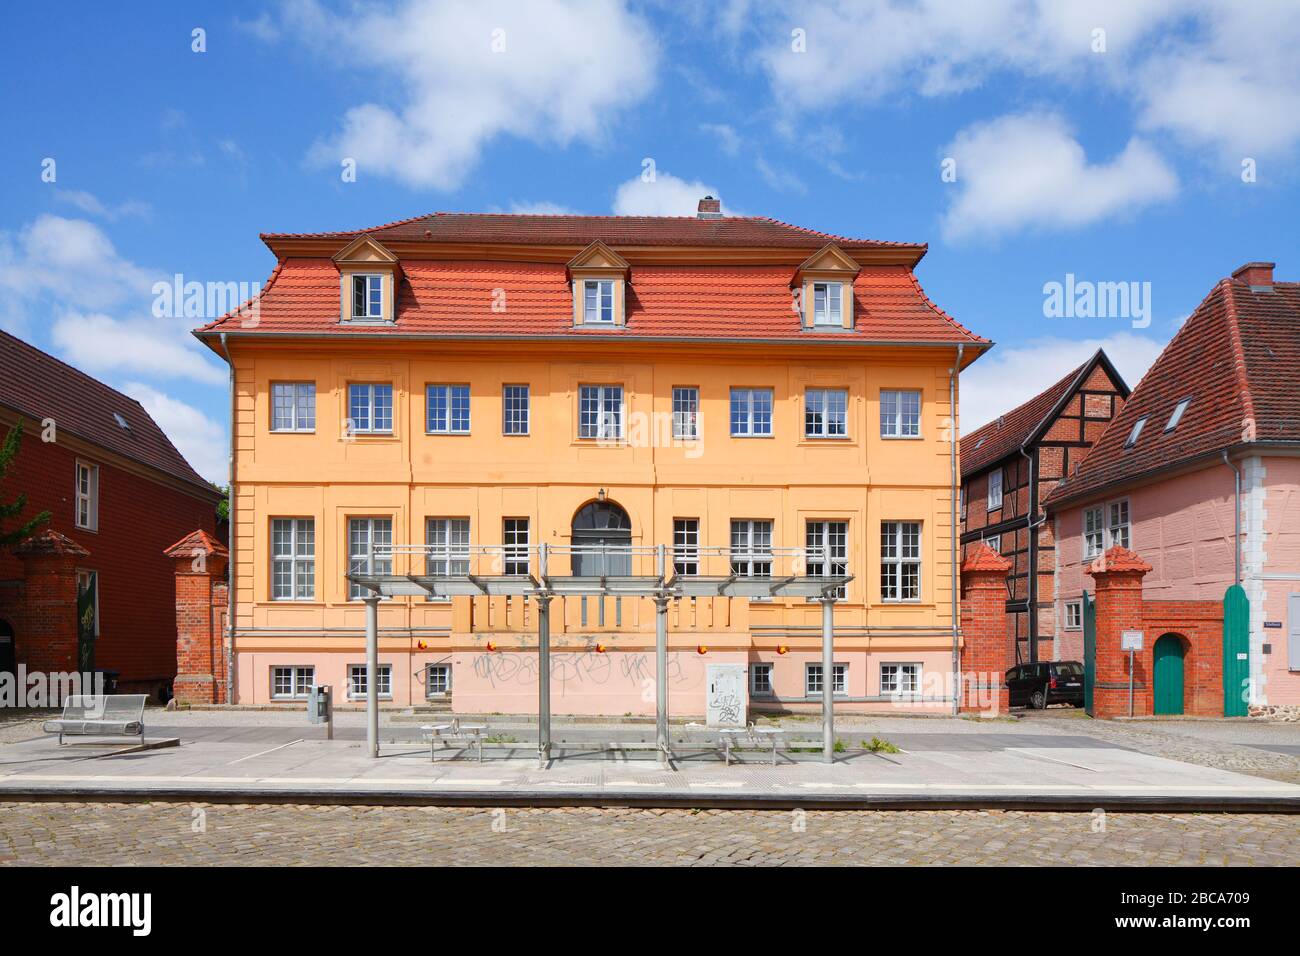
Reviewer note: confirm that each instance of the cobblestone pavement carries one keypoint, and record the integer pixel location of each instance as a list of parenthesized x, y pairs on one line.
[(69, 834)]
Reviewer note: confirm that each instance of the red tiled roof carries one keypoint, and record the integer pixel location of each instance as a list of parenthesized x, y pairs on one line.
[(984, 558), (196, 543), (1117, 559), (1006, 433), (39, 386), (530, 299), (51, 542), (1236, 358), (738, 231)]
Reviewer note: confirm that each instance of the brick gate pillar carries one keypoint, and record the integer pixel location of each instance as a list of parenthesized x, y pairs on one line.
[(47, 633), (201, 590), (988, 648), (1118, 574)]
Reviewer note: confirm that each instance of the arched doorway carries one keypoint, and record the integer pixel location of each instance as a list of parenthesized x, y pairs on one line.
[(1167, 674), (601, 524), (8, 648)]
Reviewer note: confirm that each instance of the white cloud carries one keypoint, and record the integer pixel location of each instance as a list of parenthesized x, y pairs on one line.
[(727, 138), (161, 347), (469, 71), (91, 204), (1217, 73), (1028, 170), (201, 440), (665, 195), (70, 259), (1009, 376)]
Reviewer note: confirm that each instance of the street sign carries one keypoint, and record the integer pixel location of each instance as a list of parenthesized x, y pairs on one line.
[(1130, 640)]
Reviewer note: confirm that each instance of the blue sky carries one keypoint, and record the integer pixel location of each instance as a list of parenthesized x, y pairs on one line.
[(1115, 156)]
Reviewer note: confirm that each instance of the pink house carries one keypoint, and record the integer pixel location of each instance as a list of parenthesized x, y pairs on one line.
[(1200, 475)]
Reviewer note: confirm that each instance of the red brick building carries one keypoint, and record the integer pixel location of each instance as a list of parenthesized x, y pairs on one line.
[(119, 494), (1010, 465)]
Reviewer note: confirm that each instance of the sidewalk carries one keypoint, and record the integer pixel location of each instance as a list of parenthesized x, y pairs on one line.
[(1005, 766)]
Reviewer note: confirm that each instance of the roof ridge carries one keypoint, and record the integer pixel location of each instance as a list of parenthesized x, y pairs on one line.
[(72, 368), (1069, 376), (347, 232)]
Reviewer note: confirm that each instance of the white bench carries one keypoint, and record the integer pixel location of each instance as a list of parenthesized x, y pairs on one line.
[(118, 715)]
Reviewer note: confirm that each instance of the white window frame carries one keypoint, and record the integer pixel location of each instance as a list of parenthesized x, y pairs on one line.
[(766, 687), (686, 412), (1093, 531), (1073, 616), (450, 394), (994, 541), (754, 549), (817, 402), (446, 547), (1113, 524), (511, 397), (995, 500), (686, 546), (300, 559), (359, 557), (893, 555), (297, 688), (604, 299), (374, 289), (356, 679), (301, 406), (516, 536), (429, 692), (371, 390), (752, 419), (839, 679), (896, 685), (896, 415), (608, 410), (86, 509), (831, 535), (831, 311)]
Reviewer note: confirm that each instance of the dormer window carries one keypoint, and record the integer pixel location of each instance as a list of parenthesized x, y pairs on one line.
[(367, 297), (598, 301), (827, 304), (1136, 433)]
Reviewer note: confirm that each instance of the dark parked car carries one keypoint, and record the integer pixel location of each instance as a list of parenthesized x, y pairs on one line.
[(1046, 682)]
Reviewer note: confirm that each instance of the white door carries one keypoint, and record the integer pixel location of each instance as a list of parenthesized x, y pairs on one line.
[(726, 704)]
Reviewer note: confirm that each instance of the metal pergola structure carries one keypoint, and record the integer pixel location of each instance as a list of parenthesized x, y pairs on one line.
[(767, 573)]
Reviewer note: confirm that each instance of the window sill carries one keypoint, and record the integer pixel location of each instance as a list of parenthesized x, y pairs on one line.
[(293, 431), (429, 434), (901, 437), (367, 322), (734, 435)]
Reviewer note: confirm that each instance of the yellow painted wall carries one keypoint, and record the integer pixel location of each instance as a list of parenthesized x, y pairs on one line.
[(550, 473)]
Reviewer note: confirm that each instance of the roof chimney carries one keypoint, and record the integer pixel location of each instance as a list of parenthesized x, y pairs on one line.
[(1258, 275), (710, 208)]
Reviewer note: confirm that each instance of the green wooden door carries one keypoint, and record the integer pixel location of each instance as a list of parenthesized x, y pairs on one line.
[(1168, 675), (1089, 651), (1236, 652)]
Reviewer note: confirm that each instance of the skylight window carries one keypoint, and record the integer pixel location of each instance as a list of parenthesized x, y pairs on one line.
[(121, 422), (1177, 415), (1136, 432)]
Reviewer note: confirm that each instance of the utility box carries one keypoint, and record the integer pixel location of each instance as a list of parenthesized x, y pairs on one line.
[(320, 703), (726, 702)]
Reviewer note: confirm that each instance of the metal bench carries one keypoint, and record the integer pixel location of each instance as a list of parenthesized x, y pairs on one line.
[(457, 733), (119, 715), (750, 738)]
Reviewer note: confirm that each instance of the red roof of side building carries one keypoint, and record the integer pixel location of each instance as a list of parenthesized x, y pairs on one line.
[(39, 386), (509, 298), (1007, 433), (1236, 358)]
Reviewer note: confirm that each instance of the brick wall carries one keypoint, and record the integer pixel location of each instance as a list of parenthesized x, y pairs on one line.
[(988, 641), (138, 518), (199, 568)]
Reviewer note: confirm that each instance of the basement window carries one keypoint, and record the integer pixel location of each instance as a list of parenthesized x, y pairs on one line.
[(1177, 415), (1135, 433)]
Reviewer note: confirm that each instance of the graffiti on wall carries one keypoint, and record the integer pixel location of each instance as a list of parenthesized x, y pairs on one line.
[(585, 668)]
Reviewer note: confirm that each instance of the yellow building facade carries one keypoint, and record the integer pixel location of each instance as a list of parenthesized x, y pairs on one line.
[(468, 401)]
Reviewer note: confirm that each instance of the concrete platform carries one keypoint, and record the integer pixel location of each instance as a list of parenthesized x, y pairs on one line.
[(935, 771)]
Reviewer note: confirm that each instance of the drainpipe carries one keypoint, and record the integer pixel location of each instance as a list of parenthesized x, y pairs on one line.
[(956, 614), (230, 542), (1236, 544)]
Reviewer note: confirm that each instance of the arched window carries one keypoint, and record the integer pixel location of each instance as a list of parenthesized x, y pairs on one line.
[(603, 530)]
